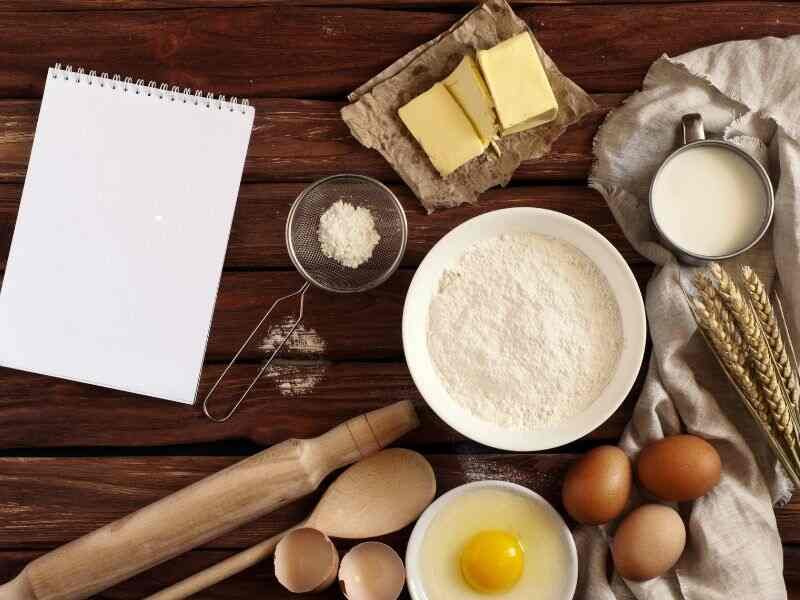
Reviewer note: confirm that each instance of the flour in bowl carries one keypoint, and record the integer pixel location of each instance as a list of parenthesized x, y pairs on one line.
[(524, 331)]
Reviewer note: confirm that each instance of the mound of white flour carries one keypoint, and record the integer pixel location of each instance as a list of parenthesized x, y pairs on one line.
[(524, 331), (347, 234)]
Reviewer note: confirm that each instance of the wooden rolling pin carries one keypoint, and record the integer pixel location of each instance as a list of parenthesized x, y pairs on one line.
[(205, 510)]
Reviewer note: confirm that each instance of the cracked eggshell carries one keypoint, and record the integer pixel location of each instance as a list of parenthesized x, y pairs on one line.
[(306, 561), (372, 571)]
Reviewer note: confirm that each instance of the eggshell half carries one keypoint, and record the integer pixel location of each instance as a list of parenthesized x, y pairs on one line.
[(306, 561), (679, 468), (597, 487), (648, 542), (372, 571)]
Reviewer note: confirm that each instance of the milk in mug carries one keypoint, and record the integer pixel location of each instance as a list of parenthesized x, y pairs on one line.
[(708, 200)]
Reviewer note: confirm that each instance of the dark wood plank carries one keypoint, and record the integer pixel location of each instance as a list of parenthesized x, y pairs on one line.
[(302, 140), (50, 5), (322, 52), (362, 326), (791, 570), (257, 238), (48, 501), (296, 399), (259, 581)]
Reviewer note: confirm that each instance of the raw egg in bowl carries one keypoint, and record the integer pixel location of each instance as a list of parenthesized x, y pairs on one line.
[(491, 540)]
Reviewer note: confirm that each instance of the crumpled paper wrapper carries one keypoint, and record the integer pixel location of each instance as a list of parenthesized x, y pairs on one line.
[(373, 120)]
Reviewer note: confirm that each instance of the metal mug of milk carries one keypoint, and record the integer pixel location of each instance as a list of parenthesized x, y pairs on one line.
[(710, 200)]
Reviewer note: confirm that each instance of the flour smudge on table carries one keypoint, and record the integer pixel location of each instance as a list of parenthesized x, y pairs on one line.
[(524, 331), (304, 340), (295, 379)]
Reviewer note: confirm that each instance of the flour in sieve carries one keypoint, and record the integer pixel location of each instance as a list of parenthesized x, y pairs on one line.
[(347, 234), (524, 331)]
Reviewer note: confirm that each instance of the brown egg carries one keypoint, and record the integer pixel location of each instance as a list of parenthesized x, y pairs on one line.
[(679, 468), (648, 542), (597, 487)]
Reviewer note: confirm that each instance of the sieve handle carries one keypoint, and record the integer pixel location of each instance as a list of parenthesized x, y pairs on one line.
[(302, 294)]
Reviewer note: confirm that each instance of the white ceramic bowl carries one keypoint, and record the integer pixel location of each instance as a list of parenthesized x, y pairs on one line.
[(414, 548), (522, 220)]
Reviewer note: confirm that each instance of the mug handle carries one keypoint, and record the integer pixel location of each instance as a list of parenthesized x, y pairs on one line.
[(693, 129)]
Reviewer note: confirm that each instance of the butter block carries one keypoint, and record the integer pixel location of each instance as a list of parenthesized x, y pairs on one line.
[(518, 83), (467, 86), (437, 122)]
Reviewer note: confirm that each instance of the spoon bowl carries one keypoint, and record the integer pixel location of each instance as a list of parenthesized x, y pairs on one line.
[(376, 496)]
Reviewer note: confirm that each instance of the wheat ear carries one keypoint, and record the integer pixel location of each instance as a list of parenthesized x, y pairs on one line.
[(765, 314), (759, 354), (712, 299), (707, 313)]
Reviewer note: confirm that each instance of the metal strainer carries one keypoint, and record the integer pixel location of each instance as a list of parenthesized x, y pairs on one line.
[(304, 249)]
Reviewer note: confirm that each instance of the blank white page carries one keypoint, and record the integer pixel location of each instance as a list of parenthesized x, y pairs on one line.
[(120, 239)]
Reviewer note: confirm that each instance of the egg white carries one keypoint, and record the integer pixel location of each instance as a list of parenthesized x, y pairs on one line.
[(546, 555)]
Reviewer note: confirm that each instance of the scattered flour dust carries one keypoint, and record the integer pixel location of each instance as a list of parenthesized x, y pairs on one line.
[(524, 331), (295, 379), (304, 340), (347, 234)]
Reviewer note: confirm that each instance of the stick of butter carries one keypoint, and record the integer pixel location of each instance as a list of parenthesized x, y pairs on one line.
[(468, 88), (518, 83), (437, 122)]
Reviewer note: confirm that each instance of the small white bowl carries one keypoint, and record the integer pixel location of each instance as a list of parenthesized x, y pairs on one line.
[(414, 549), (542, 222)]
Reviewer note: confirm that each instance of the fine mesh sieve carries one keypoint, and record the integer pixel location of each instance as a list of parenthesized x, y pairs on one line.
[(304, 249)]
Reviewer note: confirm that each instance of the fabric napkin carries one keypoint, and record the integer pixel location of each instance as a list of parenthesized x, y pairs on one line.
[(745, 94)]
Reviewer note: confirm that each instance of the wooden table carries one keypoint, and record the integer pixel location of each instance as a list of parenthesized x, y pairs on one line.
[(75, 457)]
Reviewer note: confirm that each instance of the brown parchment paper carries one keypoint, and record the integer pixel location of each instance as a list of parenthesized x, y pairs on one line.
[(373, 120)]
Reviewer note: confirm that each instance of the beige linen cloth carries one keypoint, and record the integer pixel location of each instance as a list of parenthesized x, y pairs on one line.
[(747, 92)]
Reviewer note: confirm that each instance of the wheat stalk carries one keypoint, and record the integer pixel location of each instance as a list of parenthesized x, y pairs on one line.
[(718, 325), (765, 314), (733, 329), (760, 357), (735, 375), (712, 298), (733, 360)]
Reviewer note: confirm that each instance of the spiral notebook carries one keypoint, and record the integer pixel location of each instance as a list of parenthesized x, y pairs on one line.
[(121, 234)]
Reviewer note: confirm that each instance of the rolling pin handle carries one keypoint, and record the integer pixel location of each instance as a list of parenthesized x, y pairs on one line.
[(362, 436)]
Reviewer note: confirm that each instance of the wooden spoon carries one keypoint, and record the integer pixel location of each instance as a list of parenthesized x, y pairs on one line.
[(378, 495)]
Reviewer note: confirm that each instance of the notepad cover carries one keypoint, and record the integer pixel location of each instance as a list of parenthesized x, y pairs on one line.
[(121, 235)]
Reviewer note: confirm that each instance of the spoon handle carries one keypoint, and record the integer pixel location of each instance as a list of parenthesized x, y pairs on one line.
[(222, 570)]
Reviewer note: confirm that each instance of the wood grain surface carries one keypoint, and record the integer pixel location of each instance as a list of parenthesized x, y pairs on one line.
[(303, 140), (316, 52), (53, 492), (50, 5), (74, 457), (258, 242), (296, 399), (258, 581)]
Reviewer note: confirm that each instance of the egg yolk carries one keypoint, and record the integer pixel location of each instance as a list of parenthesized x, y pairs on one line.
[(492, 561)]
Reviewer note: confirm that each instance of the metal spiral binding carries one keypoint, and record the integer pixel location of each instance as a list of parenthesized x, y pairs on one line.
[(152, 88)]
